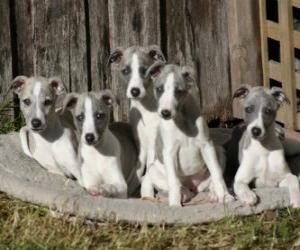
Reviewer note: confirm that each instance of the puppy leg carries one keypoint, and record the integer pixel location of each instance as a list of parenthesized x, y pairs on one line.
[(211, 160), (242, 179), (91, 181), (174, 185), (24, 141), (292, 183), (142, 163)]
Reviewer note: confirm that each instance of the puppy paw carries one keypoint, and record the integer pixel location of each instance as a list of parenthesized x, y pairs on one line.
[(93, 192), (248, 198), (175, 201), (295, 202), (186, 195), (227, 198), (212, 197)]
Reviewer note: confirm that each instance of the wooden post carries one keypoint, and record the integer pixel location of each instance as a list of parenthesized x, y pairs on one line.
[(244, 45), (287, 60)]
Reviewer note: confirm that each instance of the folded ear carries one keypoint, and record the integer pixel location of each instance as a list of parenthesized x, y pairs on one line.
[(279, 95), (58, 86), (115, 56), (70, 101), (108, 97), (189, 75), (242, 92), (155, 53), (155, 69), (18, 84)]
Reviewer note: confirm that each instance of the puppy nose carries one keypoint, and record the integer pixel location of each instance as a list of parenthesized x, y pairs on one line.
[(166, 114), (36, 123), (256, 132), (135, 92), (90, 138)]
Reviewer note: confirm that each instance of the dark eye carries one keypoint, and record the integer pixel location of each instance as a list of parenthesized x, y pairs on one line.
[(27, 102), (249, 109), (179, 92), (48, 102), (268, 111), (143, 71), (126, 71), (160, 89), (100, 116), (80, 117)]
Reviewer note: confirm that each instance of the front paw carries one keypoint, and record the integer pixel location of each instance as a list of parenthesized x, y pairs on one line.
[(93, 192), (175, 200), (225, 198), (295, 202), (248, 198)]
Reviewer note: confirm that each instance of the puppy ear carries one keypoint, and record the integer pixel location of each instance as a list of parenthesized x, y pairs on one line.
[(115, 56), (189, 75), (58, 86), (279, 95), (18, 84), (242, 92), (70, 101), (108, 97), (155, 69), (155, 53)]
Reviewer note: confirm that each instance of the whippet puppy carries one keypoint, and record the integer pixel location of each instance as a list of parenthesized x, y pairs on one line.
[(48, 136), (107, 151), (187, 156), (132, 63), (261, 153)]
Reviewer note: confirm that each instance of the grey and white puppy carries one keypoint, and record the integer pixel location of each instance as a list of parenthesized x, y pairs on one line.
[(261, 153), (132, 63), (187, 155), (48, 136), (107, 151)]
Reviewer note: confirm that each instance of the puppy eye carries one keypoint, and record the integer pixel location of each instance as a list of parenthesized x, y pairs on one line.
[(249, 109), (80, 117), (126, 71), (48, 102), (268, 111), (100, 116), (27, 102), (160, 89), (179, 92), (143, 71)]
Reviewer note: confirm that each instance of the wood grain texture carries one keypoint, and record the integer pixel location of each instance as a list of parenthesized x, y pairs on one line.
[(52, 40), (131, 23), (99, 43), (244, 45), (5, 51), (197, 35)]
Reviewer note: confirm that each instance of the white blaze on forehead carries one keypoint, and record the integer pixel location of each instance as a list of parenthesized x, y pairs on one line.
[(88, 124), (258, 122), (135, 81), (37, 93), (167, 100)]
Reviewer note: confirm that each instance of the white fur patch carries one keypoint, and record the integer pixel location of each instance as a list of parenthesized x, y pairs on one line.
[(37, 93), (135, 81), (167, 100), (88, 124)]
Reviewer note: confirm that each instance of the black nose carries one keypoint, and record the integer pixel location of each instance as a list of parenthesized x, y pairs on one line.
[(166, 114), (256, 132), (36, 123), (90, 138), (135, 92)]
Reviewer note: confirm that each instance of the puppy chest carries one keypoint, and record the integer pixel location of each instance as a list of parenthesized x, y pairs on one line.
[(190, 160)]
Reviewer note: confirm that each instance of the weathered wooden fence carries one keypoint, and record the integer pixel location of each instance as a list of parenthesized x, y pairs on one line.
[(72, 39)]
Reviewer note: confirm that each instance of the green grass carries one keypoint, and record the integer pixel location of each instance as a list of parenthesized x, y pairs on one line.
[(26, 226)]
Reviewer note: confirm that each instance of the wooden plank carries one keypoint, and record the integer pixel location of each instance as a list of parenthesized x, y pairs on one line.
[(6, 73), (264, 42), (245, 54), (131, 23), (99, 40), (5, 52), (287, 60), (52, 40)]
